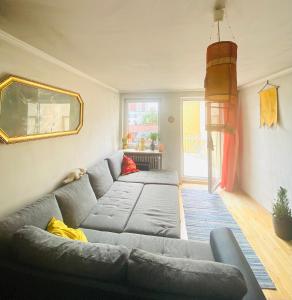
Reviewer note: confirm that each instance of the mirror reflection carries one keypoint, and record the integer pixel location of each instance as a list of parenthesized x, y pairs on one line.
[(30, 110)]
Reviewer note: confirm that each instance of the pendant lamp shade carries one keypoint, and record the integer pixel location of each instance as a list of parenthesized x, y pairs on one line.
[(221, 81), (221, 86)]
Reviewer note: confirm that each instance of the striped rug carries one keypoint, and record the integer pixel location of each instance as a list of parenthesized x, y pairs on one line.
[(205, 212)]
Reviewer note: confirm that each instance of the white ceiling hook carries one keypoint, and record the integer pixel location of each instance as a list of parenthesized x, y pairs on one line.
[(218, 14)]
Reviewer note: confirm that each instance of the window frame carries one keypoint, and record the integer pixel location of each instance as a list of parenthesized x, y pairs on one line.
[(133, 99)]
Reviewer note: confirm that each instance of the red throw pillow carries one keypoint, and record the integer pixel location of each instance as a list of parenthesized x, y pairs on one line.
[(128, 166)]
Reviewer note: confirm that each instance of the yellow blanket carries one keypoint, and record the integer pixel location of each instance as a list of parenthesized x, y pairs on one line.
[(269, 106), (57, 227)]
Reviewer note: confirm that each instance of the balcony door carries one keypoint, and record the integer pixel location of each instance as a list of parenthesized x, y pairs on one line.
[(201, 150), (194, 140)]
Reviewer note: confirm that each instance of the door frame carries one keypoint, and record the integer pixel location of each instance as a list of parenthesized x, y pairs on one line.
[(212, 188), (187, 178)]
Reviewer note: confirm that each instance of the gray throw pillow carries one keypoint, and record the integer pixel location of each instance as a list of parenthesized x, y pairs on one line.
[(37, 213), (115, 164), (185, 276), (76, 199), (100, 178), (39, 248)]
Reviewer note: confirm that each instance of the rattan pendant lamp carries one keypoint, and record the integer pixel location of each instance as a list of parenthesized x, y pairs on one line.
[(220, 81)]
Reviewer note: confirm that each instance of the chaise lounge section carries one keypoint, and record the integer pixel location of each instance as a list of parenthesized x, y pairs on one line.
[(134, 207)]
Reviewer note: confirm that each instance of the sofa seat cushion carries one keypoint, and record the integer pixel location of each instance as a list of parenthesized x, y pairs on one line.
[(112, 211), (157, 212), (152, 177), (100, 178), (76, 199), (154, 244), (38, 213), (39, 248), (185, 276)]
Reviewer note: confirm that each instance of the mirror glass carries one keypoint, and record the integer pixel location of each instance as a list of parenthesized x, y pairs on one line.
[(27, 110)]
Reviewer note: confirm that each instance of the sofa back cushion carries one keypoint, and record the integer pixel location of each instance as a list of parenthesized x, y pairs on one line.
[(38, 213), (195, 278), (100, 178), (115, 164), (39, 248), (75, 199)]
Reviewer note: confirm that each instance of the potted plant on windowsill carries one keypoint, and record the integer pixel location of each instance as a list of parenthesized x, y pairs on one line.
[(153, 137), (282, 217)]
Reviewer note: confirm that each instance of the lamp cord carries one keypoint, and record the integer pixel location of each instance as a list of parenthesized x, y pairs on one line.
[(218, 30), (212, 31), (228, 26)]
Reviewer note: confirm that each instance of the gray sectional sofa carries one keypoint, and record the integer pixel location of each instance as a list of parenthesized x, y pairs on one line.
[(134, 252)]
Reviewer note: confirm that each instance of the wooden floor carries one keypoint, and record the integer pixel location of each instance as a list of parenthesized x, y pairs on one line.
[(256, 224)]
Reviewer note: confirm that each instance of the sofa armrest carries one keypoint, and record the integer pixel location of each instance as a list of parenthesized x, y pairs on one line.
[(226, 250)]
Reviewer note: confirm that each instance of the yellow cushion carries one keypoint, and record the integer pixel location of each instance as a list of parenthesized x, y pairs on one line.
[(57, 227)]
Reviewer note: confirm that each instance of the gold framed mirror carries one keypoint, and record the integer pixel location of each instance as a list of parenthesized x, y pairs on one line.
[(31, 110)]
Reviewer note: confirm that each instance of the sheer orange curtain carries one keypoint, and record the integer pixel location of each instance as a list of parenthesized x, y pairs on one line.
[(230, 150)]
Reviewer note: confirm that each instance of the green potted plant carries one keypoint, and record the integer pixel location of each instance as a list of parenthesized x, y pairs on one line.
[(282, 217), (153, 137)]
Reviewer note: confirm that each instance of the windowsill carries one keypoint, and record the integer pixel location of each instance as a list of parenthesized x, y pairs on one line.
[(141, 151)]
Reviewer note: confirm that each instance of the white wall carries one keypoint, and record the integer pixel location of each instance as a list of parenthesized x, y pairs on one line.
[(170, 133), (266, 153), (30, 169)]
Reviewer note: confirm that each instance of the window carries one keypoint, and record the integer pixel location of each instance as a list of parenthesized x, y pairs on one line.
[(141, 119)]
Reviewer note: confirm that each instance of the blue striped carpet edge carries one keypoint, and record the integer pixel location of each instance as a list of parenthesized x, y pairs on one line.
[(205, 212)]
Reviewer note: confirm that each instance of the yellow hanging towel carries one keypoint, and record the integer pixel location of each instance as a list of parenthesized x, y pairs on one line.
[(269, 106)]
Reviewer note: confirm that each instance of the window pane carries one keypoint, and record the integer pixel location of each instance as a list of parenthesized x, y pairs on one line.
[(142, 120)]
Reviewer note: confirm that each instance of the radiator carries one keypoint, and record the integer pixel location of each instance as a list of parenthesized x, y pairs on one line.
[(153, 158)]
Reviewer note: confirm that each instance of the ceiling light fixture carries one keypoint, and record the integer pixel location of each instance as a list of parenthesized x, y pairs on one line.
[(220, 80)]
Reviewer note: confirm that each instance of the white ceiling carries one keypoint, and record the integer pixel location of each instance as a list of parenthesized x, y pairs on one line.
[(152, 44)]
